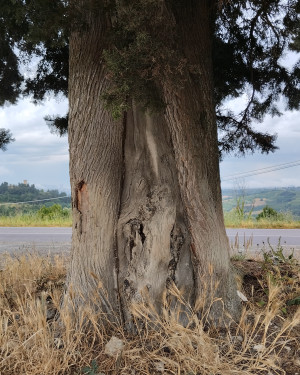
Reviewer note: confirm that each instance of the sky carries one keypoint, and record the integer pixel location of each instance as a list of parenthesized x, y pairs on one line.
[(37, 156), (42, 158)]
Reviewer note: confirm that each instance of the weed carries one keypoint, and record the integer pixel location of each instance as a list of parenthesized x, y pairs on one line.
[(275, 255), (92, 370), (294, 301), (238, 257)]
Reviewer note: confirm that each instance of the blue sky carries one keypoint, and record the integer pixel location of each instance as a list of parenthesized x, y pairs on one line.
[(42, 158)]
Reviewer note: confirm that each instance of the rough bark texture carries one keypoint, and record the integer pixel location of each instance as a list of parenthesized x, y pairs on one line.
[(96, 167), (191, 119), (146, 190), (153, 240)]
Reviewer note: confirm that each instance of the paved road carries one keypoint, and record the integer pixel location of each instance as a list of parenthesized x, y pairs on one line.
[(58, 239), (257, 239), (37, 238)]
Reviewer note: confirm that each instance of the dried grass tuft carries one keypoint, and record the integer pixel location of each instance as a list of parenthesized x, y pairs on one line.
[(34, 342)]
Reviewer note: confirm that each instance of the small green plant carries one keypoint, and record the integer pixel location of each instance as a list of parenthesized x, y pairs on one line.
[(261, 303), (294, 301), (240, 209), (276, 255), (92, 370), (239, 257)]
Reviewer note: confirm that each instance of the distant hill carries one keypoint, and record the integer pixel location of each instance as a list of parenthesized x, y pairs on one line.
[(24, 192), (281, 199)]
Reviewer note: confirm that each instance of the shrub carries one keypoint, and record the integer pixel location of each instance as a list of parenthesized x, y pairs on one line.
[(268, 213), (52, 212)]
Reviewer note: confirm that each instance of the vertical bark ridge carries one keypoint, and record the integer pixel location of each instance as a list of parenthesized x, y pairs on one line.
[(191, 119), (153, 242), (96, 157)]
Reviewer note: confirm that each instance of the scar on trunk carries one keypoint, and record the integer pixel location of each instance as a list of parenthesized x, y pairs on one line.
[(81, 196)]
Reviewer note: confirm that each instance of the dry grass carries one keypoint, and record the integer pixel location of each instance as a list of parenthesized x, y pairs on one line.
[(33, 342), (285, 221), (263, 224), (34, 221), (231, 221)]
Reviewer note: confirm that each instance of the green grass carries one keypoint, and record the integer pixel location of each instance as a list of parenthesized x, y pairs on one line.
[(34, 220), (286, 221), (231, 221)]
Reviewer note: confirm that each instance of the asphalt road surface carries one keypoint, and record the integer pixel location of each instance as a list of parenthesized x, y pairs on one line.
[(46, 240), (257, 240), (59, 239)]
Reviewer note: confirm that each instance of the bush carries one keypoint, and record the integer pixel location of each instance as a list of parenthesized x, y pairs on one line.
[(53, 212), (268, 213)]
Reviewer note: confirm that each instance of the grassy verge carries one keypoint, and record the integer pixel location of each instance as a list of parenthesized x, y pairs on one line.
[(233, 221), (33, 341), (33, 220), (57, 216), (230, 222)]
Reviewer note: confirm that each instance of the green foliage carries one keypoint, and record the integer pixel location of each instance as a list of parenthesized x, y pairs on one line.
[(5, 138), (36, 29), (268, 213), (31, 219), (142, 55), (53, 212), (294, 301), (280, 199), (249, 39), (24, 193), (275, 255), (249, 44), (240, 210), (92, 370), (58, 124)]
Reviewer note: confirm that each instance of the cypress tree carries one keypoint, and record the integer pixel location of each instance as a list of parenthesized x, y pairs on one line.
[(147, 82)]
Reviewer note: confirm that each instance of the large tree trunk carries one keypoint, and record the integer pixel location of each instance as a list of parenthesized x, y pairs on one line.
[(96, 168), (146, 193), (191, 118)]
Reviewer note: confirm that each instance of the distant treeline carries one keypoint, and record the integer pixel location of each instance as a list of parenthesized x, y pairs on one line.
[(280, 199), (24, 193)]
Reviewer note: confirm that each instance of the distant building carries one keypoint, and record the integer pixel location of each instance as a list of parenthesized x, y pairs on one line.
[(25, 182)]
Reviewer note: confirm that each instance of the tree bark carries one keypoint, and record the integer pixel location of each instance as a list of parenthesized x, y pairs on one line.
[(145, 190), (153, 240), (96, 168), (191, 118)]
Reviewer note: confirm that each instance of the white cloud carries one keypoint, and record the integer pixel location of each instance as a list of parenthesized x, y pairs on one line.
[(36, 155), (42, 157), (288, 140)]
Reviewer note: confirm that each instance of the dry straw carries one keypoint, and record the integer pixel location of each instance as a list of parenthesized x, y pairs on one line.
[(34, 342)]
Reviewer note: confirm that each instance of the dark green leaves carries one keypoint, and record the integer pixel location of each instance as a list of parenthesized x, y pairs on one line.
[(5, 138)]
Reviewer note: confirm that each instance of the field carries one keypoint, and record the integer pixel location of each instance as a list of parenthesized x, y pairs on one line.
[(38, 336), (52, 216), (241, 207), (285, 221), (281, 199), (262, 208)]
